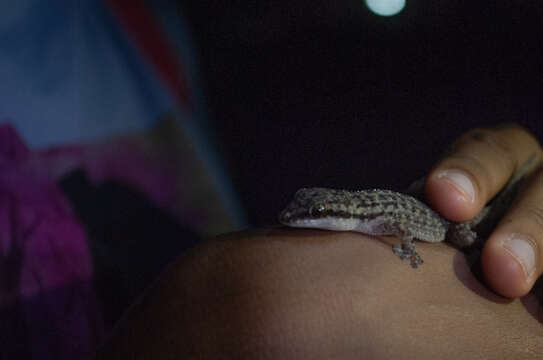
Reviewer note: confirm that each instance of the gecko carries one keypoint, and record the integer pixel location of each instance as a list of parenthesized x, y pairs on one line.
[(378, 212)]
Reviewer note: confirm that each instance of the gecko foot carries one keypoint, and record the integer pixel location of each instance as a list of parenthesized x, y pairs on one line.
[(407, 251)]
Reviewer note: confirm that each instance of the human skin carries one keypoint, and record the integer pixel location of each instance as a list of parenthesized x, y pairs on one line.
[(481, 162), (308, 294)]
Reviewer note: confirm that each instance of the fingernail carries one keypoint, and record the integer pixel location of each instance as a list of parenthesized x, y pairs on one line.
[(522, 249), (460, 181)]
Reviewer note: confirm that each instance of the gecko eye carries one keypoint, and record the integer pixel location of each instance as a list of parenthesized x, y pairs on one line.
[(317, 210)]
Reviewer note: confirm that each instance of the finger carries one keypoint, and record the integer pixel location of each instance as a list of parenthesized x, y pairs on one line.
[(512, 258), (478, 166)]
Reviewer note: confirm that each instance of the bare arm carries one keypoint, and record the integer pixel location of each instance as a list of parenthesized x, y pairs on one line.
[(294, 294)]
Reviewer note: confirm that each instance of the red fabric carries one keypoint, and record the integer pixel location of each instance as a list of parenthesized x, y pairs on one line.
[(136, 18)]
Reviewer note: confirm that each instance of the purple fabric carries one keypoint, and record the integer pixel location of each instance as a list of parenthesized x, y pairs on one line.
[(48, 306), (45, 263)]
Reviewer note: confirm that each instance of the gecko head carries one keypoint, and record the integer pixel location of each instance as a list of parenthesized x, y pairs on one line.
[(307, 206), (320, 208)]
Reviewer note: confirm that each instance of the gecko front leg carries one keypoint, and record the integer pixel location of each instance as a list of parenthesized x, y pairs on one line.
[(406, 250)]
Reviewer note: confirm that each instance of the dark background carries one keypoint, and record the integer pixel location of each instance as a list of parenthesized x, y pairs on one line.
[(325, 93)]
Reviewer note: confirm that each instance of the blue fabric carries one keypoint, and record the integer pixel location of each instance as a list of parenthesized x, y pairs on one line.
[(69, 74)]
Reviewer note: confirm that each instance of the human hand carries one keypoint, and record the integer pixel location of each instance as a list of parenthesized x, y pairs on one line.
[(478, 166)]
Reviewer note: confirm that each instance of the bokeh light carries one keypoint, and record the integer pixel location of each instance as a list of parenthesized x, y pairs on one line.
[(385, 7)]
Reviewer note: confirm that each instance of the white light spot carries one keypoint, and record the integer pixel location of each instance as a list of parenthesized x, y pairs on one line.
[(385, 7)]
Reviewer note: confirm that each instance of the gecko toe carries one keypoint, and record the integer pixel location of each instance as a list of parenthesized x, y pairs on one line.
[(407, 252)]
